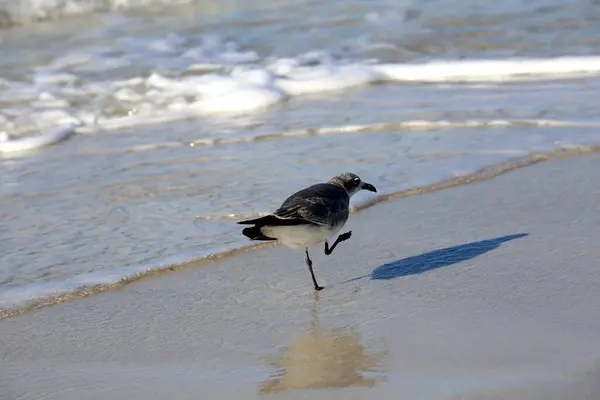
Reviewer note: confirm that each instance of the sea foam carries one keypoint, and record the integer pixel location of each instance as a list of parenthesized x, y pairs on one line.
[(55, 101)]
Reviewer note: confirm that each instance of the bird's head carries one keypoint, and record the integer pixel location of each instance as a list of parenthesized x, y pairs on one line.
[(352, 183)]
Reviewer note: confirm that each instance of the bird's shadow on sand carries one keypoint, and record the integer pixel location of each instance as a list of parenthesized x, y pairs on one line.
[(437, 258)]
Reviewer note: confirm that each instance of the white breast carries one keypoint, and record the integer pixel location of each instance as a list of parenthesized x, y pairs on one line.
[(300, 236)]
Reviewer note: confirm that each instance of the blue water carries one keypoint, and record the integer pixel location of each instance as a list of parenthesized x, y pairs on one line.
[(188, 117)]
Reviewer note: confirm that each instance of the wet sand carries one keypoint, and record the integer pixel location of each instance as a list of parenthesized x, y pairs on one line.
[(484, 291)]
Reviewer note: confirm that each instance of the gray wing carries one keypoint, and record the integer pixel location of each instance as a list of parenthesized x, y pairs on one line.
[(320, 204)]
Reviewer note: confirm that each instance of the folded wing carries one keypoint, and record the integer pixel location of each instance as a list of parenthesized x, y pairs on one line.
[(320, 204)]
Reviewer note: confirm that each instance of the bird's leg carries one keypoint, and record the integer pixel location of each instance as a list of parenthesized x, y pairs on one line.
[(312, 274), (341, 238)]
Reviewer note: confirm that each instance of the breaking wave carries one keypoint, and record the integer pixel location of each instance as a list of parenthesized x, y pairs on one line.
[(58, 99)]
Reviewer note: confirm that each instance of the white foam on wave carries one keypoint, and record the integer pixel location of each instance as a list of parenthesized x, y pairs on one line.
[(326, 78), (54, 100), (490, 70), (13, 145), (248, 89), (28, 11), (241, 92)]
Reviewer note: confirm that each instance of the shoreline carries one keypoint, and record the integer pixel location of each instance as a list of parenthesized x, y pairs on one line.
[(484, 174), (479, 291)]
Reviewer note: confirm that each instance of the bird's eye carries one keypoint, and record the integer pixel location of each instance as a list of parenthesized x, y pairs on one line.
[(356, 180)]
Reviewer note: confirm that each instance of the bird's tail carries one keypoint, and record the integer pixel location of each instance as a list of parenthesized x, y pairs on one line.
[(273, 220), (257, 221), (254, 233)]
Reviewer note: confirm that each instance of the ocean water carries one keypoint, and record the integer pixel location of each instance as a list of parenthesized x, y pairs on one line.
[(133, 134)]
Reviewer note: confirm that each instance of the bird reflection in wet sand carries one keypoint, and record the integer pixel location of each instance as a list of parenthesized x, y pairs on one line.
[(323, 359)]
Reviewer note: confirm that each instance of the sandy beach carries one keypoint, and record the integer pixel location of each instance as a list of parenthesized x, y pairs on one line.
[(483, 291)]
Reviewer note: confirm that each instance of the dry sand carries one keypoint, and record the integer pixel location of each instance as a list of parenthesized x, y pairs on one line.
[(485, 291)]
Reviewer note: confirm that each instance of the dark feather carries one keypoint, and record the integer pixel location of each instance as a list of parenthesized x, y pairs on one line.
[(318, 204), (272, 220), (254, 233)]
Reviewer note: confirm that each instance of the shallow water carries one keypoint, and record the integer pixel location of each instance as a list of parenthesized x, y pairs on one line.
[(189, 117)]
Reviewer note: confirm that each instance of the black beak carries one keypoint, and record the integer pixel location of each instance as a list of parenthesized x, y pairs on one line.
[(368, 186)]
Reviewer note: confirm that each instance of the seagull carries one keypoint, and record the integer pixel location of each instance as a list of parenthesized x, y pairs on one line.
[(310, 216)]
